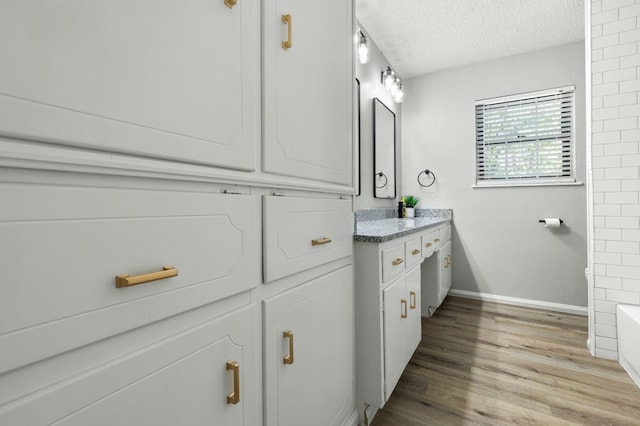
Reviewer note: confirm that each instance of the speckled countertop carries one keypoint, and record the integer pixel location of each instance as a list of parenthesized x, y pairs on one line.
[(381, 230)]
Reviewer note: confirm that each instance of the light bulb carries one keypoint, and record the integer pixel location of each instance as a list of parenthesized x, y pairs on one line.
[(363, 50), (395, 87), (389, 79), (398, 97)]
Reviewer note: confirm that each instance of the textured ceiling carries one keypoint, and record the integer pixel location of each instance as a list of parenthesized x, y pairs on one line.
[(423, 36)]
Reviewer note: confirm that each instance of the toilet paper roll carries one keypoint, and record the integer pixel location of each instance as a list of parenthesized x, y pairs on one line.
[(551, 222)]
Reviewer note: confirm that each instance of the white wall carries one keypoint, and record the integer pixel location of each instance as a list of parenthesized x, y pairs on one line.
[(499, 247), (370, 88), (615, 152)]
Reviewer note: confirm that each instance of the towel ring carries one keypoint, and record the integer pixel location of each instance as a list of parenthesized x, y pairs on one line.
[(380, 174), (426, 172)]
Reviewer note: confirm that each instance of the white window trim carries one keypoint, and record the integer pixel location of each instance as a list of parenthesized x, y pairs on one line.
[(531, 182)]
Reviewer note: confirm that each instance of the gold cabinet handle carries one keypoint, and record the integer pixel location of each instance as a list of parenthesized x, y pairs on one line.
[(437, 240), (124, 280), (416, 251), (289, 43), (288, 334), (428, 245), (446, 262), (412, 298), (403, 303), (230, 3), (320, 241), (397, 262), (234, 397)]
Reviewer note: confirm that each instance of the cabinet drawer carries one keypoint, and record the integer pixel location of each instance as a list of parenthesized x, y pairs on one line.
[(412, 252), (301, 233), (445, 234), (430, 243), (393, 262), (181, 380), (68, 244)]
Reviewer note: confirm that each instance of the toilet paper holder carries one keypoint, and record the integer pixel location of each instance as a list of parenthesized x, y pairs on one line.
[(544, 221)]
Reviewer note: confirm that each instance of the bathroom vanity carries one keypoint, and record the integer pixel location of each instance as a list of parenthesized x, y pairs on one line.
[(391, 295)]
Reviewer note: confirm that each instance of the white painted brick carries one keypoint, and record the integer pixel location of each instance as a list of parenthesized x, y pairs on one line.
[(596, 78), (605, 89), (630, 135), (608, 235), (619, 26), (596, 30), (598, 221), (607, 259), (631, 184), (607, 186), (629, 86), (605, 306), (620, 99), (615, 4), (605, 354), (606, 113), (626, 148), (630, 260), (597, 55), (623, 222), (629, 110), (621, 50), (607, 343), (597, 126), (606, 137), (597, 102), (629, 284), (596, 6), (621, 198), (598, 174), (631, 235), (606, 65), (621, 124), (631, 247), (604, 330), (607, 161), (599, 269), (621, 296), (605, 319), (607, 209), (599, 293), (631, 160), (628, 61), (622, 271), (608, 283), (612, 40), (630, 210), (621, 173), (598, 197), (625, 12), (600, 246), (604, 17), (619, 75), (598, 150)]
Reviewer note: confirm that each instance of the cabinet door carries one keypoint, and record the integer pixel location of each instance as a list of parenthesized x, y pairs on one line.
[(159, 78), (308, 89), (444, 276), (414, 323), (312, 327), (396, 309), (182, 380)]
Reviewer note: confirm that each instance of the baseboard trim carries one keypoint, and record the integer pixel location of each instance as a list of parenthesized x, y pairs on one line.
[(538, 304)]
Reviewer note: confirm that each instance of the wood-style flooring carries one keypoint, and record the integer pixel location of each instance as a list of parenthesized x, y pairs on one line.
[(483, 363)]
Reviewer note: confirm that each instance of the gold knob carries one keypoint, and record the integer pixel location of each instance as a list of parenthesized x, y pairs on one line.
[(416, 251), (428, 245), (230, 3), (437, 240)]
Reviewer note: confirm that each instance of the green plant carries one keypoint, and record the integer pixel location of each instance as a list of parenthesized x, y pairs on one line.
[(411, 201)]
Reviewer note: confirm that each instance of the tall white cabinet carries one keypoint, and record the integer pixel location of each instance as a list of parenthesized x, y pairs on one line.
[(155, 243)]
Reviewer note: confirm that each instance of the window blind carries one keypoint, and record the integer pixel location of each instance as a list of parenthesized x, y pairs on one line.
[(526, 138)]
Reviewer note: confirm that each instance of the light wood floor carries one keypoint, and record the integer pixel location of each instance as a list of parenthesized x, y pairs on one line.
[(483, 363)]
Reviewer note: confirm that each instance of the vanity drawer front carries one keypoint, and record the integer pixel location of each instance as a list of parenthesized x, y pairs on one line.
[(412, 252), (302, 233), (430, 243), (393, 262), (445, 234), (68, 244)]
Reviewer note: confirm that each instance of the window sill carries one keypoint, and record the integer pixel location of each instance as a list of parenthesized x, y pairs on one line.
[(521, 184)]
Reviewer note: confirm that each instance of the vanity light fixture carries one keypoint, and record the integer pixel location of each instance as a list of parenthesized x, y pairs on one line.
[(363, 47), (388, 78), (393, 84)]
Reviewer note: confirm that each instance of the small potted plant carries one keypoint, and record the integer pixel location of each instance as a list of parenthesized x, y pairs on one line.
[(410, 203)]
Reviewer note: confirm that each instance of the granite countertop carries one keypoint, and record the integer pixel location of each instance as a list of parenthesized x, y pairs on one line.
[(381, 230)]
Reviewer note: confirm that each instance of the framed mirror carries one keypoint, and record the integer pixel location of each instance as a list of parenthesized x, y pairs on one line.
[(384, 151), (356, 119)]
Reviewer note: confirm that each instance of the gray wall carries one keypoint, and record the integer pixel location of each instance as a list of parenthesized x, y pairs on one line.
[(499, 248), (370, 88)]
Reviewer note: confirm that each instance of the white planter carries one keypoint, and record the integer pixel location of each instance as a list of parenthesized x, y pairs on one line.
[(411, 211)]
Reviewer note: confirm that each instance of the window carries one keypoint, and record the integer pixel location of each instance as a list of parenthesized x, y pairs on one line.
[(525, 139)]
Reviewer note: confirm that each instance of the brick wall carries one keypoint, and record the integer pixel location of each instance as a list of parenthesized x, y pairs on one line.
[(615, 157)]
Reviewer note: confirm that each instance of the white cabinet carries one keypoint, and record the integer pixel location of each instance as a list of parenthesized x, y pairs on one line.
[(444, 271), (308, 89), (203, 375), (166, 79), (309, 353)]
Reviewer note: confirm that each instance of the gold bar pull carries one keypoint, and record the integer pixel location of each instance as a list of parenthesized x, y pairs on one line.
[(397, 262), (320, 241), (289, 43), (230, 3), (288, 334), (124, 280), (412, 298), (234, 397), (404, 304), (416, 251)]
